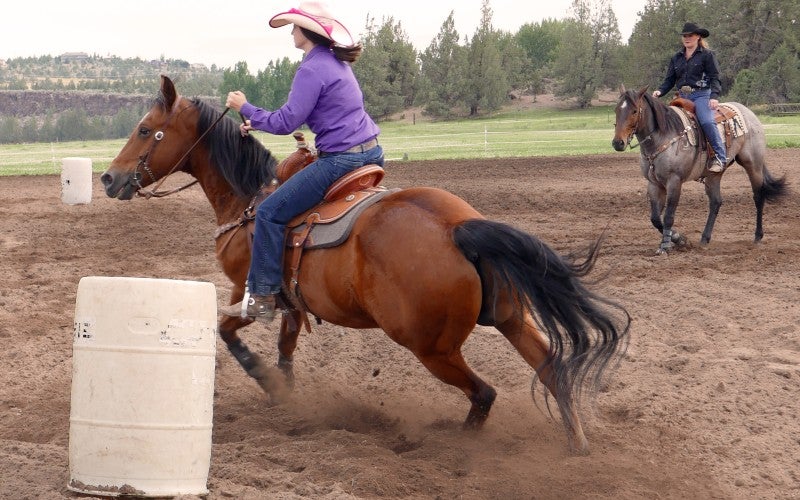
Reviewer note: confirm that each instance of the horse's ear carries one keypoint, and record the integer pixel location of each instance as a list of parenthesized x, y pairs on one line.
[(621, 88), (643, 90), (168, 91)]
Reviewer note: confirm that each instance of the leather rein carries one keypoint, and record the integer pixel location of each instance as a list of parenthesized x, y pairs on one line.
[(144, 159), (660, 149)]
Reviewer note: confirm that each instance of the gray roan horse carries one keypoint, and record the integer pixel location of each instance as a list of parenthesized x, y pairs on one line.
[(669, 159)]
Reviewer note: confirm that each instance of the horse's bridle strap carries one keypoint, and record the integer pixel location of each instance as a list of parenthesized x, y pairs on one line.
[(154, 191), (666, 145)]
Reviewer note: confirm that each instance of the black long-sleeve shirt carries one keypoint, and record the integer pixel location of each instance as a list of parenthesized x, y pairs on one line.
[(701, 71)]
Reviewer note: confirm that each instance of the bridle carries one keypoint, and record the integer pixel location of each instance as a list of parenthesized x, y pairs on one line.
[(636, 127), (144, 159)]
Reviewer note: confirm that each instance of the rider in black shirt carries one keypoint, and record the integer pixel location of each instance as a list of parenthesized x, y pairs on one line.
[(695, 72)]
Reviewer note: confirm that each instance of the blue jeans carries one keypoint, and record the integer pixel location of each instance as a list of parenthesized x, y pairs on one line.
[(299, 193), (705, 117)]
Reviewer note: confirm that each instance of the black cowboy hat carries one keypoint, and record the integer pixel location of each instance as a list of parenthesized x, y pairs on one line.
[(691, 28)]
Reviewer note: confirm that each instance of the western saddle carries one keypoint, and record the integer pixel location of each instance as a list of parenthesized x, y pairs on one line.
[(327, 224)]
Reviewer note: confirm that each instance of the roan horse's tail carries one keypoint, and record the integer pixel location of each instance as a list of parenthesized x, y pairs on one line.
[(586, 331), (771, 189)]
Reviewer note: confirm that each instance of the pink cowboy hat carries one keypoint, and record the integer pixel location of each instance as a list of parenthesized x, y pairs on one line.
[(314, 16)]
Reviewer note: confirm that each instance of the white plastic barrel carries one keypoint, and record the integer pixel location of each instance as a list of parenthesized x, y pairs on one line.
[(76, 181), (142, 386)]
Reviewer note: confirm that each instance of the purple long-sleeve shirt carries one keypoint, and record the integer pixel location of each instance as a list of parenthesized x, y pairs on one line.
[(325, 95)]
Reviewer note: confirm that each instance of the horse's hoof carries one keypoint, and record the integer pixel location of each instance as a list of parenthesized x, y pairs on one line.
[(580, 452), (662, 251), (273, 383), (579, 449), (680, 242)]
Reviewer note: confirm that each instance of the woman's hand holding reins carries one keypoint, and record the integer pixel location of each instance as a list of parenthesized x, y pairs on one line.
[(236, 100), (245, 128)]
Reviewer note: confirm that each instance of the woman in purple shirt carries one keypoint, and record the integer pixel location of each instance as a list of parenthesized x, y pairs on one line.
[(326, 96)]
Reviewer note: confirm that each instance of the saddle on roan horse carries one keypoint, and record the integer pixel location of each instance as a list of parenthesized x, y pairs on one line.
[(729, 121), (326, 225)]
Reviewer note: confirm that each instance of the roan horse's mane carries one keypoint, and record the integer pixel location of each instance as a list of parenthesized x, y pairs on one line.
[(243, 161), (665, 120)]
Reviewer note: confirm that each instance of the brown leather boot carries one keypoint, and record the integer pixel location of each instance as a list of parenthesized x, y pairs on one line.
[(259, 307), (717, 166)]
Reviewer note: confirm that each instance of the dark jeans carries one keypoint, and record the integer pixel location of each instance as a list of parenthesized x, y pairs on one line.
[(302, 191), (705, 117)]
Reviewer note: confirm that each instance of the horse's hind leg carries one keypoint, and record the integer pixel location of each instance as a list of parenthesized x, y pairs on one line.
[(451, 369), (533, 347), (765, 187)]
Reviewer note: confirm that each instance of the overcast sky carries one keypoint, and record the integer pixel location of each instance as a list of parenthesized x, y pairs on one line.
[(225, 32)]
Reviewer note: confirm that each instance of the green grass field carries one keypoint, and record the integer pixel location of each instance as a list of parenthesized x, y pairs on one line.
[(524, 133)]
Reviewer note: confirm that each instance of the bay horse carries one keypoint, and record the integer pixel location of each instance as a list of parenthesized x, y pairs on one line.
[(669, 159), (421, 264)]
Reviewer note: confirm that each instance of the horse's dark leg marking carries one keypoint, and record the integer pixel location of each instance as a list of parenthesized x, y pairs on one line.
[(714, 203), (673, 197), (759, 200), (481, 404), (656, 196), (452, 369), (246, 358), (269, 379)]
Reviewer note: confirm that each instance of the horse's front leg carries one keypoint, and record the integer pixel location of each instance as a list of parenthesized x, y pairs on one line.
[(714, 194), (248, 360), (272, 379), (656, 194), (669, 237), (268, 378)]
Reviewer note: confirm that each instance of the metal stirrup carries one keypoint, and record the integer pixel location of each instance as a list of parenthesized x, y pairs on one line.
[(245, 302)]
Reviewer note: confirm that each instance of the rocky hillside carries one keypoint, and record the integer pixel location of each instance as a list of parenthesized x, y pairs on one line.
[(24, 103)]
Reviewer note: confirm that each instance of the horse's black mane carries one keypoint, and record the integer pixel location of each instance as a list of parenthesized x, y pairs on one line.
[(243, 161), (664, 120)]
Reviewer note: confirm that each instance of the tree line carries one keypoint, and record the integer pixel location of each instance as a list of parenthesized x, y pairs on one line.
[(458, 75), (756, 41)]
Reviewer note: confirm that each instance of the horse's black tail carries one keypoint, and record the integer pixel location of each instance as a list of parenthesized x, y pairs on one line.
[(771, 189), (586, 331)]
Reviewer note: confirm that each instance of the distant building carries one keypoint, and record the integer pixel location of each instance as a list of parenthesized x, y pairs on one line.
[(2, 63), (74, 56)]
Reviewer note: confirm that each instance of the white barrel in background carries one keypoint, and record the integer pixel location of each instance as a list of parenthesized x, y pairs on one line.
[(142, 386), (76, 181)]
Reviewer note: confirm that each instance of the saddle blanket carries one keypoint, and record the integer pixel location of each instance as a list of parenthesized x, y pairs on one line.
[(736, 125)]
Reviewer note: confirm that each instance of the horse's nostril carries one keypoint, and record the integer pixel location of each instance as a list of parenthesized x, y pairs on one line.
[(106, 179)]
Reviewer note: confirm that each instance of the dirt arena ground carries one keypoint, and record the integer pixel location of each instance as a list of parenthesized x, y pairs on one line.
[(704, 405)]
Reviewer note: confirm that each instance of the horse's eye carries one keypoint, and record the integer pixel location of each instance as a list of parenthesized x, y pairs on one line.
[(144, 132)]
